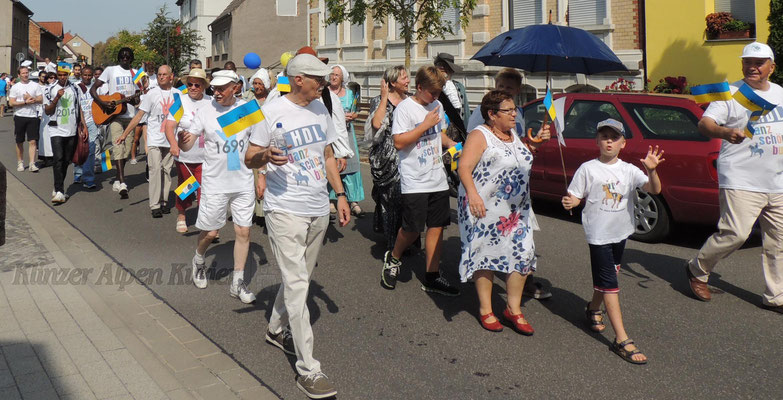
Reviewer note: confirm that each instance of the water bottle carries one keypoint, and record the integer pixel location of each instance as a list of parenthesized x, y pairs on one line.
[(278, 138)]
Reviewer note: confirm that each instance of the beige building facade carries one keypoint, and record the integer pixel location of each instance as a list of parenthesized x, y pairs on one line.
[(197, 15), (14, 36), (366, 50)]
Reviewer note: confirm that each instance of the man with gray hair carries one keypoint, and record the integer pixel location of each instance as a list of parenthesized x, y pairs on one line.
[(749, 179), (295, 139)]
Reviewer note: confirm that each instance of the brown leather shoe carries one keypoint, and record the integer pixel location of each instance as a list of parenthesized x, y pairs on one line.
[(699, 288)]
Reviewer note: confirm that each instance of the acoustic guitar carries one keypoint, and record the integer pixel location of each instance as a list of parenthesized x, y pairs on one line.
[(103, 117)]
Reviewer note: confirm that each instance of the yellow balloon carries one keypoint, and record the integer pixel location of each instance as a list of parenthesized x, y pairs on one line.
[(285, 58)]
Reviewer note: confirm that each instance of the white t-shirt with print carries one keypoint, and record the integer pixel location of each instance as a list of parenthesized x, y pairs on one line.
[(85, 102), (299, 186), (65, 113), (755, 164), (421, 166), (17, 93), (120, 80), (223, 170), (607, 190), (155, 105), (190, 108)]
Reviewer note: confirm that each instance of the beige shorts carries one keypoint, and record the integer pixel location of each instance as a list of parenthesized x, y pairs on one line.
[(120, 151)]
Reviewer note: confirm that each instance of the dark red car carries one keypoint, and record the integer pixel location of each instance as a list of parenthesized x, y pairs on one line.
[(689, 176)]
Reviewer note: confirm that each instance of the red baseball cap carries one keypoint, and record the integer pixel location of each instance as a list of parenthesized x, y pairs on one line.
[(311, 51)]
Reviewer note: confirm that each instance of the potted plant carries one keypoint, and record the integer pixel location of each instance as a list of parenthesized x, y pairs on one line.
[(723, 25)]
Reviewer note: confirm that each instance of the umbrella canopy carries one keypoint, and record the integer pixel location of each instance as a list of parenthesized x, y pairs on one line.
[(551, 48)]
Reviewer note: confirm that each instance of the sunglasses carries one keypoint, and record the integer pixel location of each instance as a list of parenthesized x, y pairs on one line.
[(194, 85), (319, 79)]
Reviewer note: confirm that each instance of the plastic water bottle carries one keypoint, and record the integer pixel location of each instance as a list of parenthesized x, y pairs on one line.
[(278, 137)]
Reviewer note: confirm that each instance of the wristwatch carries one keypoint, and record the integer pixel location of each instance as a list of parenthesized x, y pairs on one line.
[(341, 194)]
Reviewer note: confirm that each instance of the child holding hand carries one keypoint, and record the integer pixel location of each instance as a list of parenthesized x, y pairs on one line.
[(607, 183)]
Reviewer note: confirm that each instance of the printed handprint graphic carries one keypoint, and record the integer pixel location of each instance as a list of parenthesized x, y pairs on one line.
[(165, 105), (65, 105)]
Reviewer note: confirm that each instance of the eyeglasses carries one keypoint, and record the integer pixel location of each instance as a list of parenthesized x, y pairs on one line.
[(223, 89), (194, 84), (512, 110), (318, 79)]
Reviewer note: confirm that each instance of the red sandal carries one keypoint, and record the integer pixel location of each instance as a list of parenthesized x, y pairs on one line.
[(517, 324), (491, 326)]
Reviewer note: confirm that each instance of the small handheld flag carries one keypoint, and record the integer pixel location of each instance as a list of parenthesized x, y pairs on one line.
[(139, 74), (240, 118), (756, 104), (711, 92), (550, 108), (105, 161), (283, 84), (64, 67), (454, 153), (187, 188), (176, 109), (183, 89)]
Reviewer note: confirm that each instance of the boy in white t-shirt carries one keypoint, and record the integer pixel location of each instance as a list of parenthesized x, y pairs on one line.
[(418, 136), (607, 183)]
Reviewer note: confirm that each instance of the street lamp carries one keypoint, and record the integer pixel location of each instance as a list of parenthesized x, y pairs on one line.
[(168, 25)]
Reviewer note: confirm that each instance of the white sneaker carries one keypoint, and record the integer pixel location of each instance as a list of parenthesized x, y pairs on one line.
[(58, 198), (240, 291), (116, 186), (19, 166), (199, 274), (33, 168), (123, 191)]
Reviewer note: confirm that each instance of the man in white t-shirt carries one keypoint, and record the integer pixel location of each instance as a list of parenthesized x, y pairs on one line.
[(85, 173), (188, 162), (226, 182), (749, 178), (155, 106), (25, 97), (296, 203), (119, 79), (61, 104)]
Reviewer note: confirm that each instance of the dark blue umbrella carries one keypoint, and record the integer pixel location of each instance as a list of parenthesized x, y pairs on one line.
[(550, 48)]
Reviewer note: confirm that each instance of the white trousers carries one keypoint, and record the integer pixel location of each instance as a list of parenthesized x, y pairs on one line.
[(295, 243), (739, 210), (159, 161)]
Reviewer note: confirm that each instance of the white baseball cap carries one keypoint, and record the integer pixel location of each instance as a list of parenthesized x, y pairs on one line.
[(307, 64), (27, 63), (223, 77), (758, 50)]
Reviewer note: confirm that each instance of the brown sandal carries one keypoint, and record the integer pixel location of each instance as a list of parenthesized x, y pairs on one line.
[(627, 355), (595, 318)]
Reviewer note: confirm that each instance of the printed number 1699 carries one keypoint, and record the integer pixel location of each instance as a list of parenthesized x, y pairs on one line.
[(230, 146)]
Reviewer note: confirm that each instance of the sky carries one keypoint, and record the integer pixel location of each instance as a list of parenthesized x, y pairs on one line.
[(96, 20)]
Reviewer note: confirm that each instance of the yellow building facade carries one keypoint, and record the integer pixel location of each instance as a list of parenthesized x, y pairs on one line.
[(677, 45)]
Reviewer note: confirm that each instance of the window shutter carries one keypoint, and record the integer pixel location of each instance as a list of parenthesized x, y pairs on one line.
[(330, 33), (357, 32), (744, 10), (452, 15), (586, 12), (526, 12)]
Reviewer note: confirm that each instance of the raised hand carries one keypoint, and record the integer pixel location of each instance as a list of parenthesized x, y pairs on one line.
[(432, 118), (384, 88), (654, 157)]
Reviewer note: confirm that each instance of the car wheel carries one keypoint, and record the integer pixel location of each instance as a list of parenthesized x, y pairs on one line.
[(651, 218)]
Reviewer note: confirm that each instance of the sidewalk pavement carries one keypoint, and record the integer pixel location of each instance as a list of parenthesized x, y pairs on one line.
[(65, 333)]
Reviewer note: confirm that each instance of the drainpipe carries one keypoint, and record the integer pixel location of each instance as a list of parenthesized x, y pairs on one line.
[(643, 38)]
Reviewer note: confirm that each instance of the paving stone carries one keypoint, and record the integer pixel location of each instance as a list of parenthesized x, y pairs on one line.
[(20, 350), (3, 364), (10, 394), (219, 391), (146, 391), (48, 394), (186, 334), (80, 396), (166, 317), (71, 384), (6, 379), (179, 359), (238, 379), (179, 394), (33, 382), (65, 327), (9, 324), (80, 349), (102, 381), (147, 300), (103, 339), (24, 366), (202, 348), (28, 313), (257, 393), (219, 362), (34, 326), (12, 337), (196, 378), (57, 315)]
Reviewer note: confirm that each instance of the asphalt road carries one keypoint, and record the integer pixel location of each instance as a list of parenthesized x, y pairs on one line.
[(406, 344)]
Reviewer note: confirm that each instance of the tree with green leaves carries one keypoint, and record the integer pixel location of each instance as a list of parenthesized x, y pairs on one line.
[(125, 38), (420, 19), (775, 39), (167, 36)]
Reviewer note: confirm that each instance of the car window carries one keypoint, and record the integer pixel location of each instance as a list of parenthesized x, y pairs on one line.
[(583, 117), (534, 115), (665, 122)]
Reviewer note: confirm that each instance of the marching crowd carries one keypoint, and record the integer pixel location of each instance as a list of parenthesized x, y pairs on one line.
[(237, 144)]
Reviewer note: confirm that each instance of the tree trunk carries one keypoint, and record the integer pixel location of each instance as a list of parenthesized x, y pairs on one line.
[(407, 53)]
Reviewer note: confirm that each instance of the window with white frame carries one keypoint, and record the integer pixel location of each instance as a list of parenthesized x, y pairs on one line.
[(185, 10), (330, 31), (526, 12), (286, 8), (357, 31), (76, 44), (586, 12), (743, 10), (193, 10), (452, 15)]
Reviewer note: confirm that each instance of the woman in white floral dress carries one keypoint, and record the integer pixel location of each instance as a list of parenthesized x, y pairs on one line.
[(494, 210)]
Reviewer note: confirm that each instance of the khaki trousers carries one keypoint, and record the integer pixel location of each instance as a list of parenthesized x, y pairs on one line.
[(159, 161), (739, 210)]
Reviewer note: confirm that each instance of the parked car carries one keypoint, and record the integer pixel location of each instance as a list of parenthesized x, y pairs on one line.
[(689, 175)]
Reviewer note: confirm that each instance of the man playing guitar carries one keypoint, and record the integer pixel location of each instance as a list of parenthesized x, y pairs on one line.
[(119, 79)]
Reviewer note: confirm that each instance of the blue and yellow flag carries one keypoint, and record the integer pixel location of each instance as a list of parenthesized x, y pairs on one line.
[(176, 109), (105, 161), (64, 67), (711, 92), (187, 188), (550, 106), (183, 89), (756, 104), (455, 152), (283, 84), (240, 118), (139, 74)]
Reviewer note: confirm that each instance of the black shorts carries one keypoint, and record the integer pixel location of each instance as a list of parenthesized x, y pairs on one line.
[(605, 260), (26, 125), (430, 209)]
